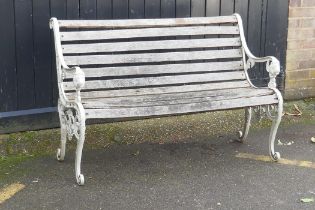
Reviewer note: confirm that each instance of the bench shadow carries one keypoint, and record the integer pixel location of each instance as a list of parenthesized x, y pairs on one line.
[(155, 161)]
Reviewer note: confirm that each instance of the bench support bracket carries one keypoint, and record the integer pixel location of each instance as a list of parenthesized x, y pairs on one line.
[(72, 122)]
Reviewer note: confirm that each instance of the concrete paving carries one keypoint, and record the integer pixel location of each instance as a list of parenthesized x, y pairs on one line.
[(195, 174)]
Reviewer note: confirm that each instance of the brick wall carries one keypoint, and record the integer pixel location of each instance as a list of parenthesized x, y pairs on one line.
[(300, 71)]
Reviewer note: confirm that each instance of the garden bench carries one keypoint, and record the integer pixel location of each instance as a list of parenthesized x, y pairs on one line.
[(142, 68)]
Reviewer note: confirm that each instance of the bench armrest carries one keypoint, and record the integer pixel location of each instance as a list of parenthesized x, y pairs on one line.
[(272, 63), (63, 68), (272, 67)]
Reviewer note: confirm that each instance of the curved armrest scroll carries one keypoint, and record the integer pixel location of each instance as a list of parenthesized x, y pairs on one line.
[(62, 67), (272, 63)]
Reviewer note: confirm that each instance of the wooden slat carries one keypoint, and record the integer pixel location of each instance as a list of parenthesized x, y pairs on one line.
[(160, 69), (162, 80), (152, 57), (150, 45), (161, 90), (146, 32), (175, 98), (180, 108), (141, 23)]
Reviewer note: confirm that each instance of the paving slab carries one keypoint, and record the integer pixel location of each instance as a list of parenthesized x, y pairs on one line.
[(193, 174)]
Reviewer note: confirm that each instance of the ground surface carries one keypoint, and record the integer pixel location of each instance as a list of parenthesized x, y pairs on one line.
[(192, 175), (198, 172)]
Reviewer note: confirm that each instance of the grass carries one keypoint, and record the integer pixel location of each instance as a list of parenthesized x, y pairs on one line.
[(18, 147), (9, 165)]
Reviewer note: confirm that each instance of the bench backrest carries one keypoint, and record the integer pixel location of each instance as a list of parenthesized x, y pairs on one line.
[(142, 53)]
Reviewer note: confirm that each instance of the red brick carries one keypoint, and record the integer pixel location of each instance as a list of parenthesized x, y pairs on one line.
[(301, 33), (297, 75), (307, 64), (294, 23), (301, 44), (307, 22), (299, 93), (298, 55), (312, 74), (310, 43), (304, 83), (301, 12), (308, 3), (295, 3), (294, 45), (300, 61), (292, 65)]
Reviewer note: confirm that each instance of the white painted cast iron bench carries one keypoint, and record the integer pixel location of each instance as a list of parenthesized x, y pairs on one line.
[(131, 69)]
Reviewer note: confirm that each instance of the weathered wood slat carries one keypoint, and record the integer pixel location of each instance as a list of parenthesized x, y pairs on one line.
[(152, 57), (150, 45), (141, 23), (161, 80), (181, 108), (161, 69), (147, 32), (174, 98), (161, 90)]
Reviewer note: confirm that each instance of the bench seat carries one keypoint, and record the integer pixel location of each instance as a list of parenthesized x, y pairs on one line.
[(176, 103)]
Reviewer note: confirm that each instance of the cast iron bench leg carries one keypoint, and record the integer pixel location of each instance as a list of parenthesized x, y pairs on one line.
[(275, 124), (78, 155), (80, 143), (248, 117)]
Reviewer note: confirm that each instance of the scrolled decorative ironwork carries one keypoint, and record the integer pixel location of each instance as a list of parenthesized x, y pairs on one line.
[(250, 63), (72, 123), (268, 111)]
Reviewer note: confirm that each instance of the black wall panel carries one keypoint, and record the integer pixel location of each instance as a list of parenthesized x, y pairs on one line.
[(27, 64), (8, 74)]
